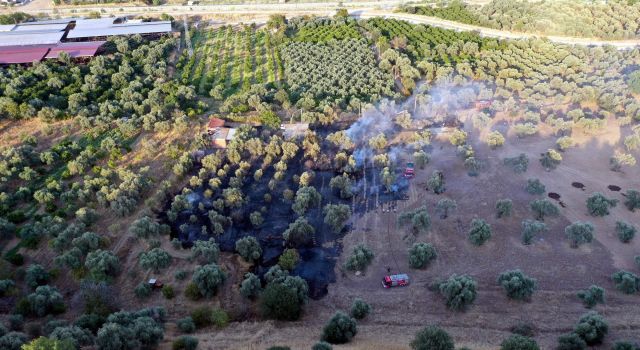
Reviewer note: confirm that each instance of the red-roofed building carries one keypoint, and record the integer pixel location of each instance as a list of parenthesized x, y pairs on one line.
[(22, 54), (76, 50), (214, 124)]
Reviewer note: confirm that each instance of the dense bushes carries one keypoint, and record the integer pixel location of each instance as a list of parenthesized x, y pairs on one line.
[(480, 232), (359, 309), (208, 279), (432, 338), (421, 254), (249, 248), (359, 259), (592, 296), (626, 282), (459, 291), (280, 302), (340, 329), (517, 285)]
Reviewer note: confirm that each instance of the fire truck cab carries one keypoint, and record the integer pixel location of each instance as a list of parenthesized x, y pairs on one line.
[(399, 280), (409, 171)]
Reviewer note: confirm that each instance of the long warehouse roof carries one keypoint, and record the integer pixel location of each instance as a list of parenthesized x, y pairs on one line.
[(30, 38), (79, 49), (89, 28), (22, 54)]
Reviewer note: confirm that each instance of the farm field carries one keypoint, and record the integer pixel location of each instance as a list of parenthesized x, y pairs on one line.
[(321, 183)]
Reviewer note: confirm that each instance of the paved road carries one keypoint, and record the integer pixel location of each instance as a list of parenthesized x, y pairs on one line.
[(360, 9)]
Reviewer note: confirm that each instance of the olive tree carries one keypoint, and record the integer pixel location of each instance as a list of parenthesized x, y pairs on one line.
[(299, 232), (632, 200), (45, 300), (625, 231), (249, 248), (495, 139), (146, 227), (436, 182), (445, 206), (480, 232), (432, 338), (336, 216), (306, 197), (550, 159), (155, 259), (599, 205), (519, 342), (280, 302), (360, 309), (530, 228), (360, 257), (571, 341), (626, 282), (591, 296), (250, 286), (517, 285), (343, 184), (534, 186), (542, 208), (579, 233), (592, 328), (208, 279), (36, 275), (102, 264), (503, 208), (421, 254), (459, 291), (76, 335), (418, 219), (205, 251), (518, 164), (340, 329)]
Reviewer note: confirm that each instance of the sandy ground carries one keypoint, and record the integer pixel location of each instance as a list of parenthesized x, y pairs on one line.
[(560, 270)]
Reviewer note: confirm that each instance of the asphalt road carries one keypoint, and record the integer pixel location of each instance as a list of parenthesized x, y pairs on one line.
[(258, 13)]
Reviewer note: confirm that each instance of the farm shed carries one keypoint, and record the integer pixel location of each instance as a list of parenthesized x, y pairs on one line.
[(221, 137), (294, 130)]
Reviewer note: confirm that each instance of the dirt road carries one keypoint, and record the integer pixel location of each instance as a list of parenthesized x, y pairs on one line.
[(364, 9)]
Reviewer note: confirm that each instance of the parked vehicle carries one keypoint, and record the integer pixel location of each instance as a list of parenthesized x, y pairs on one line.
[(399, 280)]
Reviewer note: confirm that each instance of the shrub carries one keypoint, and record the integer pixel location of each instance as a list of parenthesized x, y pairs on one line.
[(43, 343), (579, 233), (46, 300), (432, 338), (288, 259), (592, 296), (517, 285), (524, 329), (359, 259), (336, 216), (445, 206), (13, 341), (480, 232), (78, 336), (571, 341), (142, 290), (192, 291), (168, 292), (322, 346), (299, 232), (180, 275), (306, 197), (459, 291), (146, 227), (186, 325), (421, 254), (534, 186), (280, 303), (185, 342), (202, 316), (495, 139), (592, 328), (340, 329), (208, 278), (598, 204), (625, 231), (6, 286), (219, 318), (550, 159), (419, 219), (102, 264), (626, 282), (518, 342), (503, 208), (249, 249), (91, 322), (360, 309), (623, 345), (436, 182), (542, 208), (250, 286)]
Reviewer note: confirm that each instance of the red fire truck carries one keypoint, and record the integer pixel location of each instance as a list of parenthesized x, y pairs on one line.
[(399, 280), (409, 172)]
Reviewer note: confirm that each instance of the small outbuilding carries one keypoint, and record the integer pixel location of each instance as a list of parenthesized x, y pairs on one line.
[(221, 137), (294, 130), (214, 124)]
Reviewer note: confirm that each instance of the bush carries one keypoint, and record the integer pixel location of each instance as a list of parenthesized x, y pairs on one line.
[(185, 342), (336, 216), (186, 325), (421, 254), (571, 341), (102, 264), (192, 292), (550, 159), (280, 303), (480, 232), (530, 228), (219, 318), (168, 292), (517, 285), (503, 208), (249, 249), (625, 231), (542, 208), (251, 286), (518, 164), (592, 328), (360, 309), (155, 259), (598, 204), (592, 296), (632, 201), (12, 341), (419, 219), (46, 300), (142, 290), (299, 232), (623, 345), (534, 186), (579, 233), (202, 316), (206, 251), (626, 282), (432, 338), (78, 336), (359, 259), (436, 182), (459, 291), (340, 329), (518, 342), (36, 276), (288, 259), (322, 346), (208, 279), (445, 206), (6, 286), (43, 343), (524, 329)]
